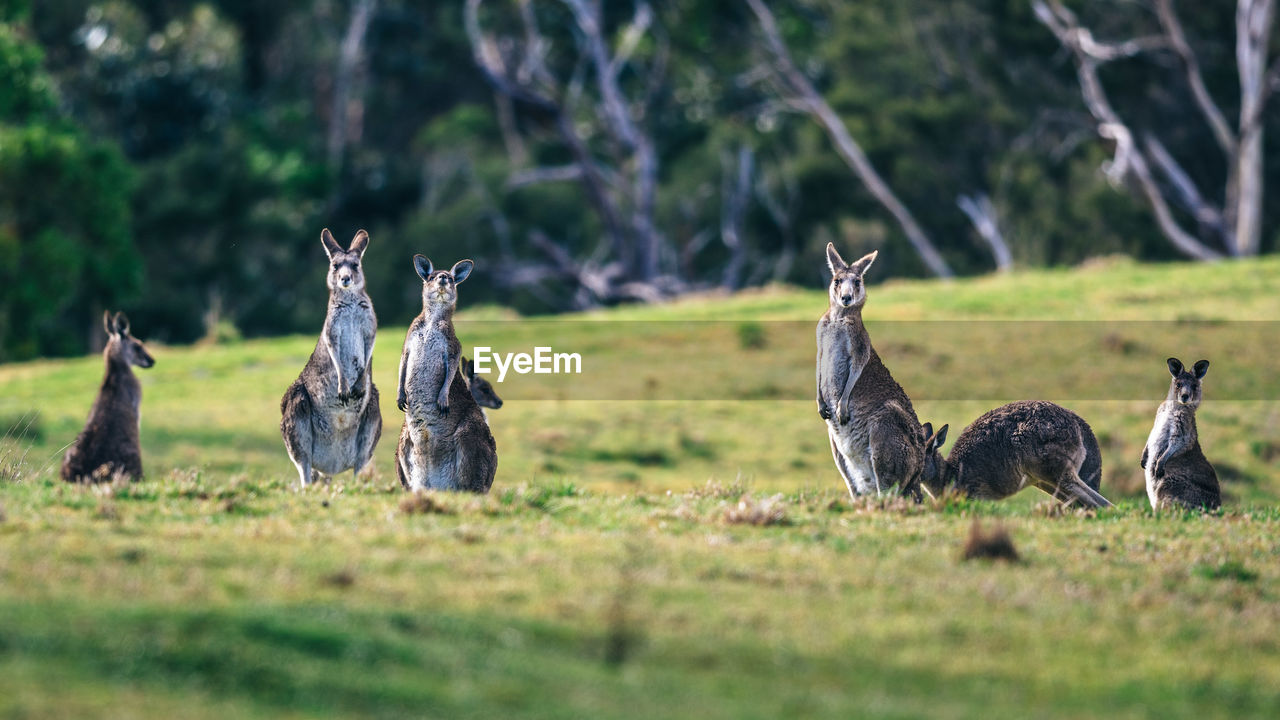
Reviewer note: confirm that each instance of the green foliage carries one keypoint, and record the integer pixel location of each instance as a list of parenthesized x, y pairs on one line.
[(224, 108), (64, 217)]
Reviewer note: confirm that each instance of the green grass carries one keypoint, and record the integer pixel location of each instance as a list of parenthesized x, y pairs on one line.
[(610, 573)]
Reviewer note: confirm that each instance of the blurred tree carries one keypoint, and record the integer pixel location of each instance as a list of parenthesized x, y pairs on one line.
[(65, 245)]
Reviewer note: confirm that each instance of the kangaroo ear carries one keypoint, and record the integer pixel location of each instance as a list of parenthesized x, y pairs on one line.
[(1200, 368), (467, 368), (461, 270), (834, 261), (927, 430), (122, 324), (941, 437), (1175, 366), (331, 246), (359, 243), (108, 323), (861, 266), (423, 266)]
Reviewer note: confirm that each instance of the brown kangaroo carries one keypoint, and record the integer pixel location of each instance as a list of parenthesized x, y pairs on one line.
[(873, 429), (108, 446), (1178, 474), (1030, 442), (445, 443)]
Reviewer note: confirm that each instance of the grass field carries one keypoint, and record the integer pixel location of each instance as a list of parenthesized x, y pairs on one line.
[(667, 536)]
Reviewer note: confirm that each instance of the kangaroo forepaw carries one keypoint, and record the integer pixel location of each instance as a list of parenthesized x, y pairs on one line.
[(842, 414), (824, 412), (442, 407), (402, 402)]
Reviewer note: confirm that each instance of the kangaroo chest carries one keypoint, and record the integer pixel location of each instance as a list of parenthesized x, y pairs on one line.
[(425, 370)]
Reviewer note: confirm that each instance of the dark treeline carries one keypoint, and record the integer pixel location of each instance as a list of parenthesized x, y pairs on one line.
[(178, 159)]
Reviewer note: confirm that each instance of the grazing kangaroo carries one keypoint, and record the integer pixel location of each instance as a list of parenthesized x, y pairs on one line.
[(108, 446), (874, 433), (330, 415), (481, 390), (1178, 474), (1030, 442), (445, 443)]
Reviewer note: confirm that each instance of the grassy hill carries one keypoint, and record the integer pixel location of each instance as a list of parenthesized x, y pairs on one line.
[(667, 535)]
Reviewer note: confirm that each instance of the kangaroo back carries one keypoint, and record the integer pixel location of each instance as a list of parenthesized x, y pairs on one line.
[(1028, 443)]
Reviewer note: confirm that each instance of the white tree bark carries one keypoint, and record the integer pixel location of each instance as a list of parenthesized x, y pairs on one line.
[(1237, 222)]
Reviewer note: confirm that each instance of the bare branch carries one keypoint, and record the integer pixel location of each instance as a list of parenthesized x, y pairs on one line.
[(795, 83), (982, 213), (1129, 160), (348, 58), (1191, 65), (735, 196), (1185, 190), (534, 176)]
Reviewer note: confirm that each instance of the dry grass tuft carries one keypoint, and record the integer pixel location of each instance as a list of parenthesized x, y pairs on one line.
[(425, 502), (751, 511), (989, 545), (718, 490)]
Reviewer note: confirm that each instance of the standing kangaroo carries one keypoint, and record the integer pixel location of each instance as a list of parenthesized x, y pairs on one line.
[(875, 436), (1178, 474), (1030, 442), (445, 443), (108, 446), (330, 415)]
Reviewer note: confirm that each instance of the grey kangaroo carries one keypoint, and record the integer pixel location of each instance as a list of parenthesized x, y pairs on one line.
[(1178, 474), (481, 390), (330, 415), (108, 446), (1030, 442), (445, 443), (875, 436)]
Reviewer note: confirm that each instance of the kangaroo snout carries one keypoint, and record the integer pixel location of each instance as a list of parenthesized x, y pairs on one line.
[(1184, 398), (846, 300)]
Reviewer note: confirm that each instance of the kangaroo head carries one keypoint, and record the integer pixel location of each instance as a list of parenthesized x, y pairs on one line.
[(847, 289), (1185, 387), (440, 287), (345, 272), (122, 347), (481, 390), (933, 476)]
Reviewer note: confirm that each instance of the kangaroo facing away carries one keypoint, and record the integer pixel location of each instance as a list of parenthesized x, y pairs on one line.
[(1178, 474), (445, 443), (873, 429), (108, 446), (330, 417), (1030, 442)]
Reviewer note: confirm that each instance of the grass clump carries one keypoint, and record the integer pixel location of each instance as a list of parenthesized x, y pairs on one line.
[(761, 512)]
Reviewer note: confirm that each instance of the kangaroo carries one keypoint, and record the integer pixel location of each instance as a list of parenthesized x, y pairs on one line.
[(445, 443), (330, 418), (1030, 442), (481, 390), (108, 446), (874, 433), (1178, 475)]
